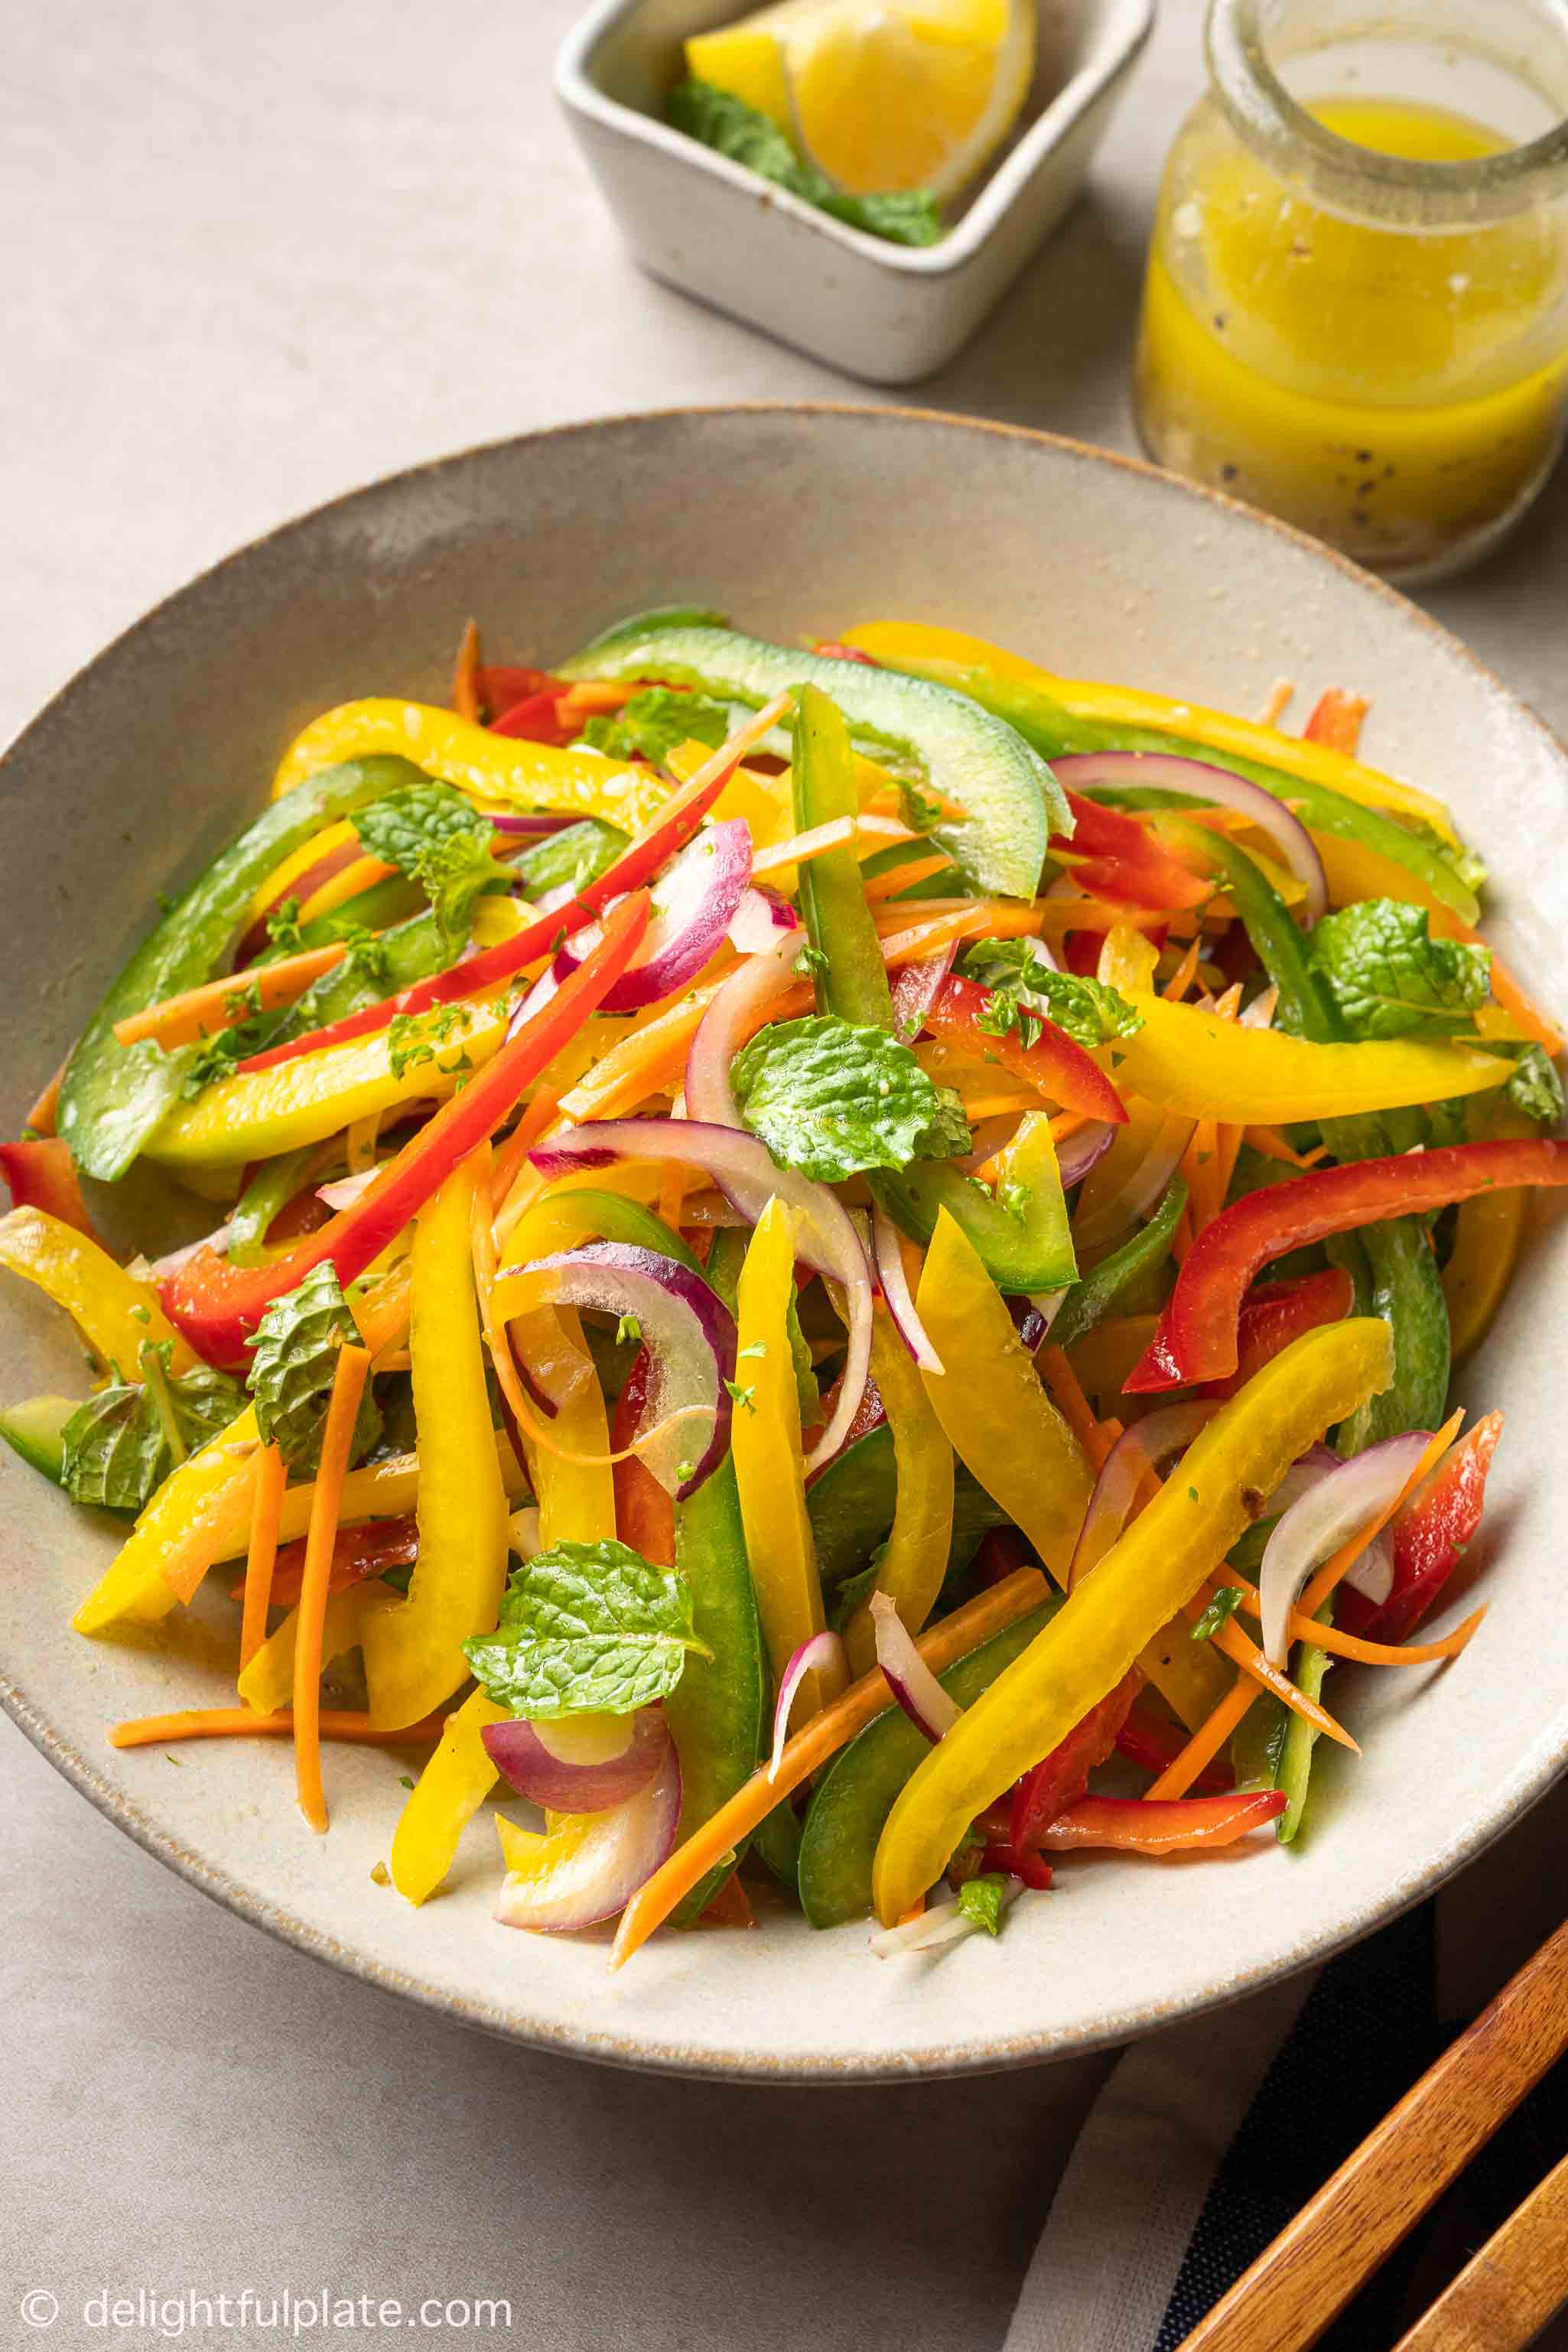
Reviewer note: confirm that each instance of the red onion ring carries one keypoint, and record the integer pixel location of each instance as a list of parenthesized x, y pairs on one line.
[(888, 1261), (1084, 1149), (1197, 780), (529, 821), (744, 1169), (824, 1654), (748, 992), (916, 989), (592, 1865), (1327, 1516), (693, 904), (928, 1706), (759, 918), (583, 1764), (1143, 1188)]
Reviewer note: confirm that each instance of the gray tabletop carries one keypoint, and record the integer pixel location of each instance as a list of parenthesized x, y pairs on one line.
[(257, 254)]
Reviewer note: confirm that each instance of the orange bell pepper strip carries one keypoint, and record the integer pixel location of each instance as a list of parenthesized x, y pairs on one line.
[(1170, 1825), (1055, 1063)]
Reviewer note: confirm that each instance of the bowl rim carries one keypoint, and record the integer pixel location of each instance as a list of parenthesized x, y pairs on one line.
[(1002, 188), (1535, 1777)]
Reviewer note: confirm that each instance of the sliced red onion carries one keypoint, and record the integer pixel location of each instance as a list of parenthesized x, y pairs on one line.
[(584, 1763), (1372, 1575), (824, 1654), (743, 1167), (916, 989), (1147, 1445), (1259, 1013), (592, 1865), (1327, 1516), (1030, 1321), (1084, 1149), (529, 821), (724, 1028), (1142, 1189), (889, 1264), (907, 1675), (688, 1332), (938, 1924), (344, 1191), (693, 904), (160, 1268), (1197, 780), (534, 1001), (759, 918)]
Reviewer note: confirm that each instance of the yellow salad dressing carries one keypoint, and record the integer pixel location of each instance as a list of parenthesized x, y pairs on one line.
[(1396, 392)]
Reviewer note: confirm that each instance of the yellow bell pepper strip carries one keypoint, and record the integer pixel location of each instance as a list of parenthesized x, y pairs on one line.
[(115, 1314), (349, 1377), (915, 1559), (766, 1445), (202, 1514), (266, 1684), (1198, 1336), (1207, 1067), (1157, 1564), (444, 1798), (988, 1399), (510, 771), (261, 1560), (386, 1490), (218, 1305), (727, 1829), (413, 1647), (1480, 1265), (968, 664), (575, 1486)]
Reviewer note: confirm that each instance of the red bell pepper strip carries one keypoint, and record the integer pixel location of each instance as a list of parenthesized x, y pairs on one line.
[(1152, 1741), (1197, 1335), (1164, 1824), (357, 1552), (503, 683), (645, 1515), (1429, 1539), (1125, 861), (677, 824), (1055, 1063), (42, 1175), (217, 1306), (831, 650), (1026, 1866), (1273, 1314), (539, 716), (1336, 720), (1061, 1779)]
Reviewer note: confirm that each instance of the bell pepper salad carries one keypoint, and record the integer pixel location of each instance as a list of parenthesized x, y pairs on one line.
[(837, 1269)]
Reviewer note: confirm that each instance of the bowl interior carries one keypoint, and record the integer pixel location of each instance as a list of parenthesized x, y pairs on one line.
[(798, 522)]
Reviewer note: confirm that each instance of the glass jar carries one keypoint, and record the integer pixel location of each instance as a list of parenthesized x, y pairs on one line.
[(1356, 311)]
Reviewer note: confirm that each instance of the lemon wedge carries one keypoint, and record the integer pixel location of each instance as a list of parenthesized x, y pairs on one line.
[(882, 94)]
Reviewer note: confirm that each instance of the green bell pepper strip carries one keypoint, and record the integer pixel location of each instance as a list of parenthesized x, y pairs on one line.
[(410, 950), (1053, 731), (914, 1564), (1011, 801), (855, 1797), (1407, 1285), (1095, 1295), (271, 1188), (718, 1711), (1149, 1573), (113, 1097), (838, 921), (1299, 1739), (778, 1842), (851, 1505), (36, 1430)]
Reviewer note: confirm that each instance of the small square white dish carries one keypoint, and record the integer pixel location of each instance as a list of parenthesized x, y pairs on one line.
[(886, 312)]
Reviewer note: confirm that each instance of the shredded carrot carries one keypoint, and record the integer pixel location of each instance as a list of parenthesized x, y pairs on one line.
[(271, 1476), (218, 1004), (902, 877), (1340, 1645), (468, 697), (939, 1645), (672, 1194), (978, 918), (1276, 701), (916, 1910), (1182, 978), (337, 1443), (1197, 1169), (41, 1118), (510, 1158), (730, 1907), (1182, 1238), (591, 697), (1066, 1392), (1210, 1737), (1336, 720), (1444, 923), (1247, 1654), (244, 1723), (1227, 1152), (1273, 1146)]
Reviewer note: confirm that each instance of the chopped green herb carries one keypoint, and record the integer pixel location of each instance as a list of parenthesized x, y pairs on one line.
[(1220, 1612)]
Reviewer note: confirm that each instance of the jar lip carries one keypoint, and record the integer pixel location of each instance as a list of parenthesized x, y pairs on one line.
[(1361, 180)]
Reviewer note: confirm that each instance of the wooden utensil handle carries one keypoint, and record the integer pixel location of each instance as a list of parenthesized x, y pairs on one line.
[(1319, 2261), (1505, 2295)]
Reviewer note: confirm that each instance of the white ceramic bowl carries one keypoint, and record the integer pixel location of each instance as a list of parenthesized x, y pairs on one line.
[(887, 312), (798, 522)]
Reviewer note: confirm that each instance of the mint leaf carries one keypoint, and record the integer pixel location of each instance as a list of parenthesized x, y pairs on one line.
[(1026, 993), (586, 1629), (948, 1136), (570, 859), (980, 1899), (652, 725), (291, 1372), (1220, 1612), (117, 1444), (431, 832), (1535, 1087), (1389, 977), (731, 127), (830, 1098)]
